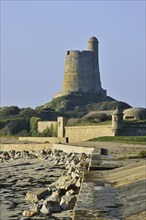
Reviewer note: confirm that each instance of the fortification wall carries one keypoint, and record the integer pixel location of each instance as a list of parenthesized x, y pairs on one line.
[(42, 125), (27, 147), (33, 147), (73, 149), (74, 134), (134, 130), (50, 140), (83, 133)]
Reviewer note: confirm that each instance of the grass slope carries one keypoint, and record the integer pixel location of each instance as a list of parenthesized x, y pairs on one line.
[(123, 139)]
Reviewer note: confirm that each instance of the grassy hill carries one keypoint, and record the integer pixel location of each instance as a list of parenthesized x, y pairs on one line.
[(79, 104), (16, 121)]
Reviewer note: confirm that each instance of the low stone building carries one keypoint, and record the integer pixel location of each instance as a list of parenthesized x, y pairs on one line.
[(135, 113), (118, 127), (56, 126)]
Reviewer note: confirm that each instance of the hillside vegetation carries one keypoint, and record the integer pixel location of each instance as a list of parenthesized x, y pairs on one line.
[(78, 104), (23, 122)]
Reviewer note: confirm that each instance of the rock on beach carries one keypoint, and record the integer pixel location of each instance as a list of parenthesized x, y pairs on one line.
[(43, 198)]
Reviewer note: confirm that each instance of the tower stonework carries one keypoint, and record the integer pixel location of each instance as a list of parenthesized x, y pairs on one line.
[(117, 121), (93, 47), (81, 71)]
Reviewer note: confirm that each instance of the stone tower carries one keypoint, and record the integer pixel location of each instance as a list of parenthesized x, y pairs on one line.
[(117, 121), (93, 47), (81, 71)]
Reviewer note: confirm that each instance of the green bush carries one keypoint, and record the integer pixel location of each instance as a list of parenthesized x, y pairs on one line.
[(47, 133), (23, 133), (142, 154), (99, 117), (3, 123), (35, 134), (14, 126), (18, 125), (7, 111), (50, 132), (34, 126), (27, 112), (72, 122)]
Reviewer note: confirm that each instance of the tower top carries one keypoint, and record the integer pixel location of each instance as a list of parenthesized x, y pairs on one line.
[(93, 40), (118, 111)]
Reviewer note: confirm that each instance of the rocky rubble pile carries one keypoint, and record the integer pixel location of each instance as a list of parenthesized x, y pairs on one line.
[(13, 155), (60, 195)]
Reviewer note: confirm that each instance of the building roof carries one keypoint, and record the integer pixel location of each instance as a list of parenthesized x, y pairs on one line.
[(93, 39), (135, 111)]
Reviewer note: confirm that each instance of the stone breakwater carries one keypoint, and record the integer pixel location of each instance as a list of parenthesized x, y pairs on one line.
[(41, 184)]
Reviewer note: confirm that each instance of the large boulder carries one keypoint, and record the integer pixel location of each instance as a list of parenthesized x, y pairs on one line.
[(68, 202), (37, 194), (50, 206)]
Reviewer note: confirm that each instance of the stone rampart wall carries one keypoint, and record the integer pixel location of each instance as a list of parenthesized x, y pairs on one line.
[(50, 140), (37, 147), (134, 130), (27, 147), (83, 133), (42, 125), (73, 149)]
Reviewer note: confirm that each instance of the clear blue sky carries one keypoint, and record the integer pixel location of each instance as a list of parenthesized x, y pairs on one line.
[(35, 36)]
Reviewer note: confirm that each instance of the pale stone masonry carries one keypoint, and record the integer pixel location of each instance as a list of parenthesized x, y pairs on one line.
[(74, 134), (81, 72), (42, 125), (61, 129), (84, 133)]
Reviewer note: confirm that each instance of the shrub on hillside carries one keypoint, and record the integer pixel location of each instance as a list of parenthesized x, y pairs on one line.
[(106, 105), (72, 121), (142, 154), (50, 132), (99, 117), (7, 111), (23, 133), (13, 127), (27, 112), (34, 126)]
